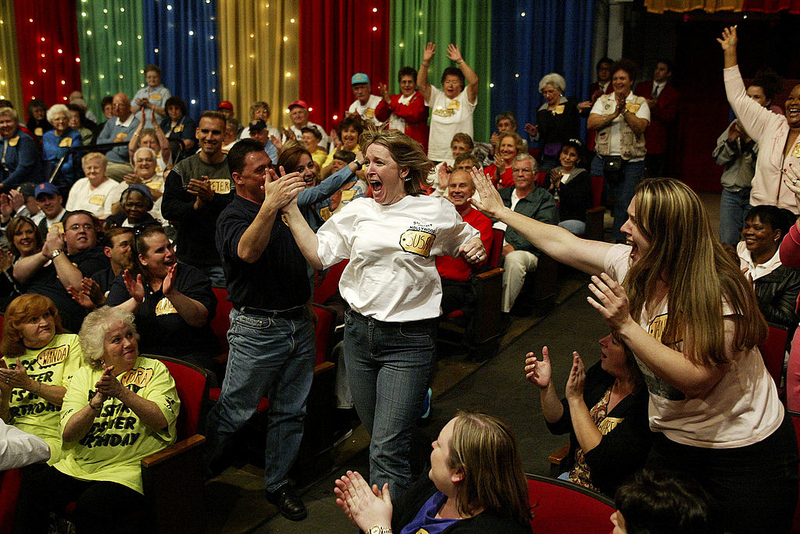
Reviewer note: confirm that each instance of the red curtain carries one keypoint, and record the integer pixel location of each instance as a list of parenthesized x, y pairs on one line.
[(337, 39), (47, 40), (771, 6)]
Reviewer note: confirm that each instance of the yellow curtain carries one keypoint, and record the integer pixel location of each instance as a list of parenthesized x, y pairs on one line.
[(10, 88), (682, 6), (259, 55)]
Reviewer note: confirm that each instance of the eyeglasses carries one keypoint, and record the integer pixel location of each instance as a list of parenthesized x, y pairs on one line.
[(77, 227)]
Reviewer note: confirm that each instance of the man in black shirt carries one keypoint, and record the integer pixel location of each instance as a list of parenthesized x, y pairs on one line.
[(271, 338), (65, 259), (196, 191)]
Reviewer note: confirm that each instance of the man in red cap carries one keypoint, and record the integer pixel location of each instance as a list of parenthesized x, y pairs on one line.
[(226, 108), (298, 112)]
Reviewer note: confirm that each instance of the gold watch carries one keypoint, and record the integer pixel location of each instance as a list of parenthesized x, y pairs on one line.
[(380, 530)]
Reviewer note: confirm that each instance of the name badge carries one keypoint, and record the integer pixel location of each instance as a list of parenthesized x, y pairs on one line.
[(53, 356), (347, 195), (155, 96), (178, 129), (417, 242), (120, 137), (97, 200), (38, 132), (138, 377), (221, 186), (165, 307), (65, 143), (633, 107), (369, 113), (455, 105), (559, 109), (325, 213), (13, 141)]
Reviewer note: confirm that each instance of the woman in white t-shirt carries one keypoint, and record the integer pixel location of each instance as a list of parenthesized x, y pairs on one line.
[(713, 405), (393, 289)]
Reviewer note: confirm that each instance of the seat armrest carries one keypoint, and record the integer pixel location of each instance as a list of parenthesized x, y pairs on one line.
[(557, 459), (173, 450)]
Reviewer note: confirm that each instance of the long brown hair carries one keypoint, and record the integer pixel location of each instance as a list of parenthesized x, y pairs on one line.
[(484, 450), (19, 311), (685, 253)]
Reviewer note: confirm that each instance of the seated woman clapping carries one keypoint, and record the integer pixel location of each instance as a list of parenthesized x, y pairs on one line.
[(118, 409), (475, 484), (38, 363), (605, 413), (173, 303)]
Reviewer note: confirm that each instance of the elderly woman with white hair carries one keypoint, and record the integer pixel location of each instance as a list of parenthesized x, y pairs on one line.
[(94, 193), (557, 120), (57, 142), (119, 408)]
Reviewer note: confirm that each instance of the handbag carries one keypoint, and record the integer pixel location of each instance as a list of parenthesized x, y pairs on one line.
[(612, 169)]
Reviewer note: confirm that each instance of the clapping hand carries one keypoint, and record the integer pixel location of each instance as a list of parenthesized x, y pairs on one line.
[(576, 380), (108, 385), (539, 372), (365, 506), (612, 301), (134, 286)]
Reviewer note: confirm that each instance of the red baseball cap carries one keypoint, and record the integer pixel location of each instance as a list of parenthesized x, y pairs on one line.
[(298, 103), (225, 105)]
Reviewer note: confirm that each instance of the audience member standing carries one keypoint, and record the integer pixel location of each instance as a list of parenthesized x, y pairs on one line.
[(557, 120), (452, 106), (117, 130), (37, 118), (178, 126), (405, 112), (393, 290), (271, 336), (365, 103), (620, 120), (776, 136), (56, 144), (737, 152), (152, 97), (663, 100), (196, 191)]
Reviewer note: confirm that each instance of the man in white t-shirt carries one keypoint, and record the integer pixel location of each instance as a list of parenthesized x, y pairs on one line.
[(298, 112), (452, 106), (365, 103)]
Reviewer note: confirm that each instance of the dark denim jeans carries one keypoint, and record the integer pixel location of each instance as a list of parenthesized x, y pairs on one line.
[(632, 172), (389, 367), (270, 357)]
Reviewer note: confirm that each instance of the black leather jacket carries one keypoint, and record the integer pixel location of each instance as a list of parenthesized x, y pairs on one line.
[(777, 296)]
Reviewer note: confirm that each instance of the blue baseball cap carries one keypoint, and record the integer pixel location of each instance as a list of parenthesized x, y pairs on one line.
[(359, 77), (46, 188)]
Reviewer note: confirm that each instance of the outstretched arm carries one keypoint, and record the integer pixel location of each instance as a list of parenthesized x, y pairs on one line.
[(556, 242), (472, 79), (422, 73)]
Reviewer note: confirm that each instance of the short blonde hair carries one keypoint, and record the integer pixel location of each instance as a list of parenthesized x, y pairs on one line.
[(94, 330), (405, 151), (9, 112), (94, 156)]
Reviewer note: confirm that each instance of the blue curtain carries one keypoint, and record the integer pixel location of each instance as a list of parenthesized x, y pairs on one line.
[(181, 37), (531, 38)]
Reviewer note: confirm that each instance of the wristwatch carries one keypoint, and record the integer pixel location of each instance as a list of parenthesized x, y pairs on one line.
[(359, 166), (56, 253), (380, 530)]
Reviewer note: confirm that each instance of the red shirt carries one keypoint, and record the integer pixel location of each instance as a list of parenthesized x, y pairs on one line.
[(458, 268)]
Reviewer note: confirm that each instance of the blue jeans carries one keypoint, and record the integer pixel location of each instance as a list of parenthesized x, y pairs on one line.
[(575, 226), (389, 367), (632, 172), (733, 208), (272, 357)]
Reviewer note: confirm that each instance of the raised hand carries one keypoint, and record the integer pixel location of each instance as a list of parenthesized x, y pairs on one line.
[(429, 52), (169, 281), (454, 54), (729, 39), (490, 204), (16, 199), (134, 286), (539, 372), (83, 299), (577, 379), (364, 505), (385, 93), (612, 301), (54, 241), (108, 384)]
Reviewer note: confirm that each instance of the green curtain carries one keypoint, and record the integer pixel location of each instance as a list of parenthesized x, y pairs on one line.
[(111, 39), (10, 88), (466, 23)]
